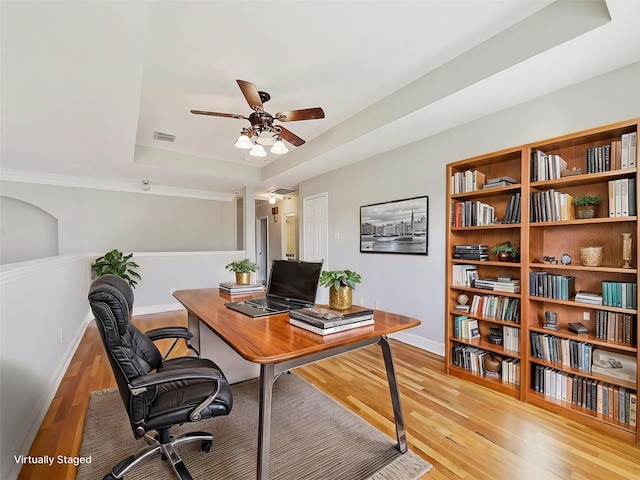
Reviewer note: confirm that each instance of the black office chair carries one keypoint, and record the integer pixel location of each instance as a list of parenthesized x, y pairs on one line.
[(157, 393)]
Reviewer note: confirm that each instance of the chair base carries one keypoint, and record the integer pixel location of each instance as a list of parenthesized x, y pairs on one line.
[(166, 446)]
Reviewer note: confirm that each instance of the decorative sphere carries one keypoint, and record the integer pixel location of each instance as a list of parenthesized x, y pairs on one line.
[(463, 298)]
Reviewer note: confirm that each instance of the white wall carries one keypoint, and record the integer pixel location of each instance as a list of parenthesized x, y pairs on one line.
[(99, 220), (414, 285), (44, 312)]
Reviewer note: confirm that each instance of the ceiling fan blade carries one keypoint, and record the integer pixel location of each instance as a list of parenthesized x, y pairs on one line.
[(218, 114), (303, 114), (292, 138), (251, 94)]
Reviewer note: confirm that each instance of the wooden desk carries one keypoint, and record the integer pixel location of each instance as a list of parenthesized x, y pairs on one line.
[(278, 346)]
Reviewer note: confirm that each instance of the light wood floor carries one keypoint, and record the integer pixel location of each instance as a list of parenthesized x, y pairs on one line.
[(463, 430)]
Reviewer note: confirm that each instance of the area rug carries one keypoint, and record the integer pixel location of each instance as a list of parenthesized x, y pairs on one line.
[(312, 437)]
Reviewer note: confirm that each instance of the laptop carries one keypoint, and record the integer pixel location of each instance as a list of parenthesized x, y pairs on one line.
[(292, 285)]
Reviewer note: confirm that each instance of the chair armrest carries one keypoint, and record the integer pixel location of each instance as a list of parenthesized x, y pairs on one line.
[(168, 332), (140, 384)]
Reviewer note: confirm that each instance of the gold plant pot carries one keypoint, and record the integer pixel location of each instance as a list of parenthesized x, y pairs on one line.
[(586, 211), (243, 278), (340, 299), (591, 256)]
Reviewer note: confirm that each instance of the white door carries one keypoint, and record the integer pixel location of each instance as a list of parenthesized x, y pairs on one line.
[(262, 247), (315, 234)]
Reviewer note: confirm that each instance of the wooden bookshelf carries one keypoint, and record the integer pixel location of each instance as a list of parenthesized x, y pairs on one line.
[(538, 237)]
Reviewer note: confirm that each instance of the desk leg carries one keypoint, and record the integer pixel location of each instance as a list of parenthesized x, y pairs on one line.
[(401, 433), (193, 325), (267, 374)]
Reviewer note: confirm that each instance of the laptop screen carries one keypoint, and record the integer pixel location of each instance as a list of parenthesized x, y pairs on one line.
[(294, 280)]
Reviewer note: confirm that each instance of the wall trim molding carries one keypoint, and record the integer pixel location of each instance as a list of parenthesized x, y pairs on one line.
[(24, 176)]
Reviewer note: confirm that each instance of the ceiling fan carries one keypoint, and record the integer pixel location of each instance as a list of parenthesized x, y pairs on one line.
[(262, 129)]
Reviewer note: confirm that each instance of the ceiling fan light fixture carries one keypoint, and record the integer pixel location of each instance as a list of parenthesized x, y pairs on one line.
[(265, 138), (258, 151), (279, 148), (243, 142)]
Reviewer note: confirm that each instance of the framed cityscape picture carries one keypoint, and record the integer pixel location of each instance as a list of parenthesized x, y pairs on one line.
[(399, 226)]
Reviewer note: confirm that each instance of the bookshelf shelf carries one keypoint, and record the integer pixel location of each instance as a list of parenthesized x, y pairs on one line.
[(606, 170)]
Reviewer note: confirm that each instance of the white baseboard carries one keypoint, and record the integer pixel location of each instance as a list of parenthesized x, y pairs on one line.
[(420, 342), (167, 307), (23, 444)]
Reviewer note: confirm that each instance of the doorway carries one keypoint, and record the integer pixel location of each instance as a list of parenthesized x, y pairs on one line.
[(262, 247)]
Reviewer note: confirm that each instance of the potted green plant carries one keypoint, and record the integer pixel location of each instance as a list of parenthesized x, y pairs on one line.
[(116, 263), (586, 205), (506, 252), (242, 269), (341, 284)]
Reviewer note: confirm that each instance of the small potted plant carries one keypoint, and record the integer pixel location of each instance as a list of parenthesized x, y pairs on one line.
[(242, 269), (116, 263), (586, 205), (506, 252), (341, 283)]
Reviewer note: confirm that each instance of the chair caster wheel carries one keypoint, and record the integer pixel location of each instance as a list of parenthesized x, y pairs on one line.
[(206, 446), (109, 477)]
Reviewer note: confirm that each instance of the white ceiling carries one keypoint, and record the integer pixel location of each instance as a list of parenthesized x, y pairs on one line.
[(86, 84)]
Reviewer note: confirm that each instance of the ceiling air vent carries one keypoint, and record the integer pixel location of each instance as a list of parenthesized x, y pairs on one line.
[(282, 191), (165, 137)]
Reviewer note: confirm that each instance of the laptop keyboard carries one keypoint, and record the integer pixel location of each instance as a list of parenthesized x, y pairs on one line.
[(269, 303)]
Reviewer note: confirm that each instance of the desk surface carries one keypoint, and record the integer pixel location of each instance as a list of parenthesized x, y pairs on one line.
[(273, 339)]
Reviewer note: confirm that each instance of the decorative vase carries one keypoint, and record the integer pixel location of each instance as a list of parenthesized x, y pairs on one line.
[(505, 257), (591, 256), (340, 299), (243, 278), (586, 211), (627, 241)]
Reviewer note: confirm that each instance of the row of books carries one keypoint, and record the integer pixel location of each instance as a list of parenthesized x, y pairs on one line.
[(512, 213), (619, 155), (551, 206), (465, 327), (471, 252), (610, 402), (511, 338), (500, 284), (233, 288), (503, 181), (496, 307), (615, 326), (622, 197), (324, 321), (464, 275), (472, 213), (546, 167), (549, 285), (472, 358), (620, 294), (562, 351), (467, 181)]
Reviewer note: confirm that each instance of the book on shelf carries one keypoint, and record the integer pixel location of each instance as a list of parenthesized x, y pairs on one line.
[(504, 178), (621, 197), (327, 331), (471, 252), (464, 275), (615, 326), (546, 167), (467, 181), (628, 150), (233, 288), (592, 298), (327, 318), (620, 294)]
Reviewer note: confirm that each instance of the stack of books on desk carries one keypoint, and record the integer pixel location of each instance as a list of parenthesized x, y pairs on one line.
[(233, 288), (324, 321)]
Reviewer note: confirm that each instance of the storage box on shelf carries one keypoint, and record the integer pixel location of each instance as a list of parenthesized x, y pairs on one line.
[(552, 270)]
